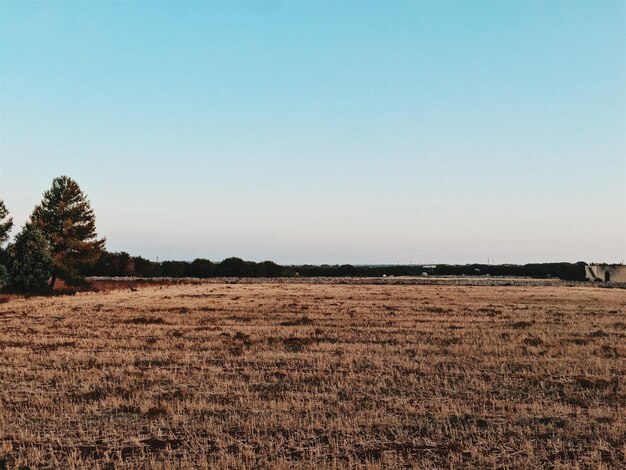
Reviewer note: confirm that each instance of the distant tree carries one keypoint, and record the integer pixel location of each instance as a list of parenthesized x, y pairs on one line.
[(232, 267), (346, 270), (202, 268), (146, 268), (113, 264), (174, 268), (267, 269), (68, 222), (6, 223), (31, 263)]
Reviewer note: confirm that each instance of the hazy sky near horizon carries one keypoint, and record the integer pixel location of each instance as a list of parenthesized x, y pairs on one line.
[(312, 132)]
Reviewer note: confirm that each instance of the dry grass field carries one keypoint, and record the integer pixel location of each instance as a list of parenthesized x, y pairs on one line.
[(315, 376)]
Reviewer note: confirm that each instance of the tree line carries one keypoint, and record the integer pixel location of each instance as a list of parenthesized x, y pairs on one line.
[(123, 264), (59, 241)]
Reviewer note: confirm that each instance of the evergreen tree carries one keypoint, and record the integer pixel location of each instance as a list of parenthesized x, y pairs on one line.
[(31, 263), (4, 276), (6, 223), (68, 223)]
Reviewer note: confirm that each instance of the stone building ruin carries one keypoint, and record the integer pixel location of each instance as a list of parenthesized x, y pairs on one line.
[(606, 272)]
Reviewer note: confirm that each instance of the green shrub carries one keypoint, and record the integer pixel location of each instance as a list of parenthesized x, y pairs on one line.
[(31, 264)]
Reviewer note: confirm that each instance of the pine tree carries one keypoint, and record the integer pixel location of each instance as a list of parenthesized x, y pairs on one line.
[(31, 264), (6, 223), (68, 223)]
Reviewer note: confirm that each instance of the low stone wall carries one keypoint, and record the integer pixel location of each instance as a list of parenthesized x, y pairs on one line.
[(121, 282)]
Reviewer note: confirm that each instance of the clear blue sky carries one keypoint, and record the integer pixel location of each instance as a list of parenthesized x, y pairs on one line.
[(353, 132)]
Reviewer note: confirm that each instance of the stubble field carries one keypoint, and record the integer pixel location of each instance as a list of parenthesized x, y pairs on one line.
[(271, 375)]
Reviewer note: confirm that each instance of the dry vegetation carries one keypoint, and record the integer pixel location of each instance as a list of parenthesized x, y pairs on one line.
[(315, 376)]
